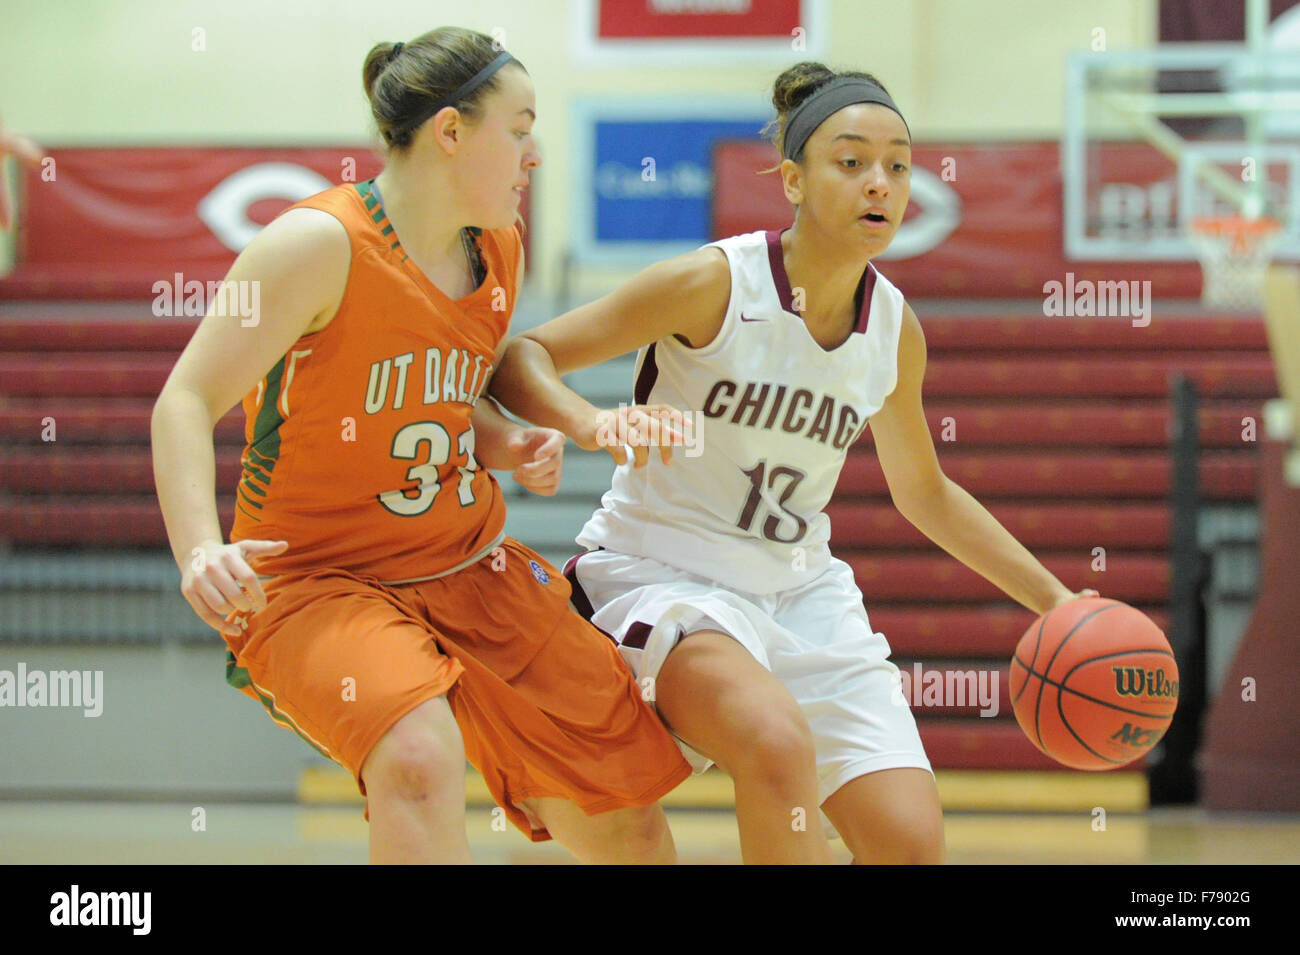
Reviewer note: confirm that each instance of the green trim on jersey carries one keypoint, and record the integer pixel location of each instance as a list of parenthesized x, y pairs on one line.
[(261, 463), (264, 449), (266, 429), (239, 678)]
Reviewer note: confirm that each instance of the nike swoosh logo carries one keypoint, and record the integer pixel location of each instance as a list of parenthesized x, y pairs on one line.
[(744, 319)]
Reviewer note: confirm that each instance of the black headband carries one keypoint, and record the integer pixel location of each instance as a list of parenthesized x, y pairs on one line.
[(834, 96), (456, 96)]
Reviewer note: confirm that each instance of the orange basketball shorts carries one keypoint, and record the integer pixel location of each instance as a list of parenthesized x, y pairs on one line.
[(545, 704)]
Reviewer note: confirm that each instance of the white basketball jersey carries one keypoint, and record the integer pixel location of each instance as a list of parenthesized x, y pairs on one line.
[(774, 415)]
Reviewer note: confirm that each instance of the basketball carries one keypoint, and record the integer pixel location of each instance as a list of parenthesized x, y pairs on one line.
[(1094, 684)]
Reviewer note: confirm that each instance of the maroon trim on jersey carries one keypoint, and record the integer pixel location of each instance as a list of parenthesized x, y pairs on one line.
[(867, 288), (645, 379), (776, 260), (581, 602), (637, 635)]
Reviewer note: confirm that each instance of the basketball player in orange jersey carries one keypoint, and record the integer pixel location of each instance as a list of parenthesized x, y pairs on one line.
[(369, 597), (714, 573)]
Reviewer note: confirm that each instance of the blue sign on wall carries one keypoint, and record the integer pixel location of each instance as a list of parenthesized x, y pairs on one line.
[(652, 178)]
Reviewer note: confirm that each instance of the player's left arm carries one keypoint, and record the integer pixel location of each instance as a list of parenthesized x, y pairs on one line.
[(938, 507), (535, 456)]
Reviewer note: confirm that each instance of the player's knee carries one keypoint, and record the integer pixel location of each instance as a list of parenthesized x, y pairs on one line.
[(640, 832), (922, 845), (414, 760), (774, 747), (912, 840), (410, 769)]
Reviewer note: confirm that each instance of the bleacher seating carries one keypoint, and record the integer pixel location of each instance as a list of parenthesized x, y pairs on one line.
[(1061, 430)]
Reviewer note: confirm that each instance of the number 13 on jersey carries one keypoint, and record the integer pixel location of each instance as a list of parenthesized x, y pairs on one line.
[(759, 476)]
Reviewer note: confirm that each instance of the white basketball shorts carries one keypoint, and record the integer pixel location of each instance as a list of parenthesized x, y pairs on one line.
[(816, 639)]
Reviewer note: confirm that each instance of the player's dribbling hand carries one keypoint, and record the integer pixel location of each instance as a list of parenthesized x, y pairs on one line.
[(1080, 595), (640, 427), (218, 581), (539, 457)]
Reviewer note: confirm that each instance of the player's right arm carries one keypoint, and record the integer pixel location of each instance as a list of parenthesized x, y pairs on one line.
[(684, 297), (300, 262)]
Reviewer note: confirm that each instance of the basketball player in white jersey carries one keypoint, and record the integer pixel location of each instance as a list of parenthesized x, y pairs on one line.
[(714, 573)]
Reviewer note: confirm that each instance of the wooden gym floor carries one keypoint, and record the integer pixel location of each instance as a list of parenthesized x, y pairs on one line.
[(1043, 819)]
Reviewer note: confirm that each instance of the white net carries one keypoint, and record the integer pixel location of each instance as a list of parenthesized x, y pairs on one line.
[(1235, 255)]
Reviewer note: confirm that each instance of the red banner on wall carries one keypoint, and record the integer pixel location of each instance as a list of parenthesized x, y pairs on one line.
[(699, 19), (985, 221), (108, 223)]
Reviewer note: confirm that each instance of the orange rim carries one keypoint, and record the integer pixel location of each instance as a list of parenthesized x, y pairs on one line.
[(1244, 234)]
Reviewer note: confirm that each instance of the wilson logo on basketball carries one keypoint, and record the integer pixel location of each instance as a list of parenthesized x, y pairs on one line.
[(1134, 681)]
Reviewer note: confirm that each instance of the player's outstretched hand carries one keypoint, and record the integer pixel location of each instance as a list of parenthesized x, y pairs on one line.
[(640, 427), (538, 454), (218, 581)]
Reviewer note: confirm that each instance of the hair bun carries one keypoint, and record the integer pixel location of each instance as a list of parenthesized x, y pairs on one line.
[(794, 86), (799, 82)]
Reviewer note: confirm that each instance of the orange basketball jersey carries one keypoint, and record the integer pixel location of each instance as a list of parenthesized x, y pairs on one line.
[(359, 450)]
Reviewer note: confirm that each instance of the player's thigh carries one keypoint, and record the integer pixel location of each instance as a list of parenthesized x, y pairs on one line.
[(341, 663), (889, 816), (721, 701)]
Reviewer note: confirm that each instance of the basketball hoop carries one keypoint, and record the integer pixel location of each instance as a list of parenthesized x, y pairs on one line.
[(1234, 254)]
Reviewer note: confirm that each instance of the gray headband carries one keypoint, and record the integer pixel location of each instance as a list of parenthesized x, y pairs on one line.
[(457, 95), (834, 96)]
